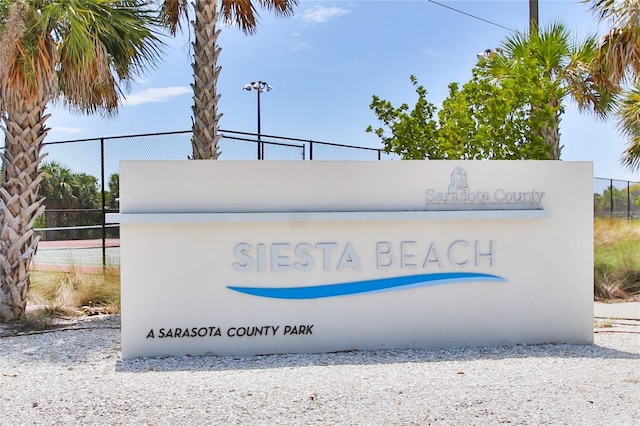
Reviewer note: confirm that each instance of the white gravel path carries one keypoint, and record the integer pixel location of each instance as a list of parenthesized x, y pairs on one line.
[(76, 377)]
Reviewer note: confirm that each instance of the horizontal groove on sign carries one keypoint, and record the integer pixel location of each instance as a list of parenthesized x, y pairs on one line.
[(352, 216)]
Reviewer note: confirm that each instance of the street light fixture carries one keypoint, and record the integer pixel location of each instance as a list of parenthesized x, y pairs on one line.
[(260, 87), (489, 53)]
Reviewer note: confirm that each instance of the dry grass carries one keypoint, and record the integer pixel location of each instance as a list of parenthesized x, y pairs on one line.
[(75, 293), (56, 294), (616, 259)]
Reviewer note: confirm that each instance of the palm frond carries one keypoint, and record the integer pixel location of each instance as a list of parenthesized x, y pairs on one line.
[(618, 58), (244, 15), (98, 39), (603, 9), (619, 55), (29, 71), (629, 125), (172, 13), (10, 29), (88, 87)]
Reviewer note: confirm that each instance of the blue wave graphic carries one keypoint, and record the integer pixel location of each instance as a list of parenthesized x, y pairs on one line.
[(369, 286)]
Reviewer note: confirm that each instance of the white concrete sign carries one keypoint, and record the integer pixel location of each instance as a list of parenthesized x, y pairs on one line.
[(262, 257)]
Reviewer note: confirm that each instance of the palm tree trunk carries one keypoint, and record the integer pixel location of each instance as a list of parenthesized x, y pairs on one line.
[(205, 107), (551, 132), (19, 204), (551, 135)]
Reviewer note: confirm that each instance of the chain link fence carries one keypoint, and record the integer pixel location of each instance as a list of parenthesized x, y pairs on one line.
[(616, 198), (91, 241)]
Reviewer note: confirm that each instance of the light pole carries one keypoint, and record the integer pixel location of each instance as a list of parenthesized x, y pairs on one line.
[(258, 86)]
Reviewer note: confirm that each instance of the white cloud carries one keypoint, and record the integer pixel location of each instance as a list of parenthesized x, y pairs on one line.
[(320, 14), (154, 94), (69, 130)]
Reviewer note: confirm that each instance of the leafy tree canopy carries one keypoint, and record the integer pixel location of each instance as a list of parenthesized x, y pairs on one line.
[(64, 189), (480, 120)]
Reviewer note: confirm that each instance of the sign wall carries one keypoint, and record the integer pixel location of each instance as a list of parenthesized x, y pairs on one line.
[(240, 258)]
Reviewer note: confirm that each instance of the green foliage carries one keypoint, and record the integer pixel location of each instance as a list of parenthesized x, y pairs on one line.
[(629, 125), (66, 193), (616, 262), (498, 120), (413, 133), (551, 61), (81, 53), (510, 109), (114, 191), (64, 189), (623, 200), (481, 120)]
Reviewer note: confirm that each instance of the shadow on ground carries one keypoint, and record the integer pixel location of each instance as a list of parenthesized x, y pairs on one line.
[(76, 340)]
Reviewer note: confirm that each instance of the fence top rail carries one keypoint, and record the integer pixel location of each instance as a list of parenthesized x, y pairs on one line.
[(225, 133), (236, 138), (74, 210), (341, 145), (617, 180), (136, 135)]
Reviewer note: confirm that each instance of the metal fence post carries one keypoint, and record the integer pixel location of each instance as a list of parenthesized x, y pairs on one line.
[(628, 201), (310, 150), (104, 202), (611, 197)]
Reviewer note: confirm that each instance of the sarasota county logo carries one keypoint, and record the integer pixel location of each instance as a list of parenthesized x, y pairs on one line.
[(458, 181), (460, 196)]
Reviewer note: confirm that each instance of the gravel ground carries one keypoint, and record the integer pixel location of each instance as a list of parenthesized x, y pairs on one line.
[(75, 375)]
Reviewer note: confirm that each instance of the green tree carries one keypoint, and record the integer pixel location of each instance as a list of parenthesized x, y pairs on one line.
[(628, 114), (496, 121), (617, 65), (239, 13), (66, 193), (559, 65), (618, 54), (86, 191), (623, 201), (76, 52), (57, 186), (411, 134), (481, 120), (114, 191)]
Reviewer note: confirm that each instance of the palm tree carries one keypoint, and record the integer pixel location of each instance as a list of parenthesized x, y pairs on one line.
[(617, 65), (618, 57), (57, 186), (64, 193), (629, 125), (114, 191), (562, 67), (77, 53), (239, 13)]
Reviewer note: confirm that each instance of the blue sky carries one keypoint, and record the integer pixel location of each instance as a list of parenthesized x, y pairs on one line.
[(327, 61)]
